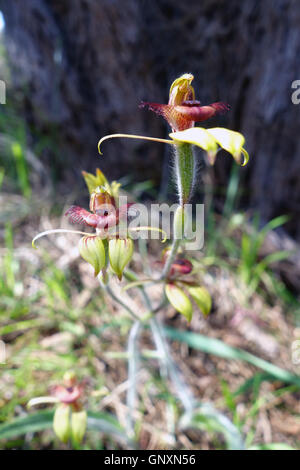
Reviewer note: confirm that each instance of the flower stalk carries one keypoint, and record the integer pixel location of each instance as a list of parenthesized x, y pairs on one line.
[(184, 171)]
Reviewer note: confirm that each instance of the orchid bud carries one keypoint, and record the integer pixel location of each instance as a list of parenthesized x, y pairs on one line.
[(78, 425), (179, 300), (202, 298), (181, 266), (120, 253), (70, 379), (101, 202), (61, 422), (181, 90), (91, 249)]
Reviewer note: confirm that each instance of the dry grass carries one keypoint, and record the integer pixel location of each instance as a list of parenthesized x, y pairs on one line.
[(74, 327)]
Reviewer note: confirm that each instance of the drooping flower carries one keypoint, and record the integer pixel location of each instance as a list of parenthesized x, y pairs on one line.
[(177, 284), (70, 418)]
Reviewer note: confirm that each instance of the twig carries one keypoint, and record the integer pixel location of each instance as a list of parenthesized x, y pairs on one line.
[(120, 302), (133, 365), (183, 392)]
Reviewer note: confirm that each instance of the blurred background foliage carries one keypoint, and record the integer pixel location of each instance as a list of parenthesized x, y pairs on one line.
[(75, 71)]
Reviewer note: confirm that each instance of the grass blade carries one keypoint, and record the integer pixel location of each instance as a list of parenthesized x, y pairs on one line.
[(206, 418), (221, 349), (30, 423)]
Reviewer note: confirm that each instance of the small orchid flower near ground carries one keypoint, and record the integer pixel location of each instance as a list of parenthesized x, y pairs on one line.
[(70, 419)]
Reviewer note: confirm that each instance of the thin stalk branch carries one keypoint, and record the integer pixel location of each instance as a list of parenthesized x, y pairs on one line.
[(133, 366), (171, 258), (182, 390), (120, 302), (142, 244)]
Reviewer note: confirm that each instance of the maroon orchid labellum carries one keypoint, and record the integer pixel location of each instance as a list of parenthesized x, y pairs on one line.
[(180, 266), (104, 213), (184, 116)]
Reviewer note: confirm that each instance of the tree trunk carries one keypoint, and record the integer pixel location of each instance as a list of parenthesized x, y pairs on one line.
[(82, 66)]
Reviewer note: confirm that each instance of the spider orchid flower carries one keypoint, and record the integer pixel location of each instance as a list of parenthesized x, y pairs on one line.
[(70, 419), (182, 112), (110, 244)]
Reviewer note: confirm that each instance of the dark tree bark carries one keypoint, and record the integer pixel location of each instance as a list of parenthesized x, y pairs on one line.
[(82, 66)]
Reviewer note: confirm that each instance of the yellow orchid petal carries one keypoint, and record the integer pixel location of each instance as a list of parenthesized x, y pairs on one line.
[(179, 300), (231, 141), (56, 230), (199, 137), (202, 298), (93, 181), (181, 89)]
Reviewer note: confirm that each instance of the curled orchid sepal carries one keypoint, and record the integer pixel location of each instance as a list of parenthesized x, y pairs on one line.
[(132, 136), (150, 229), (56, 230), (42, 401)]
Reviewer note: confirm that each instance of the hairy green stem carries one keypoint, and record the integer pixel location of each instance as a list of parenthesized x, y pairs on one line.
[(184, 170)]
